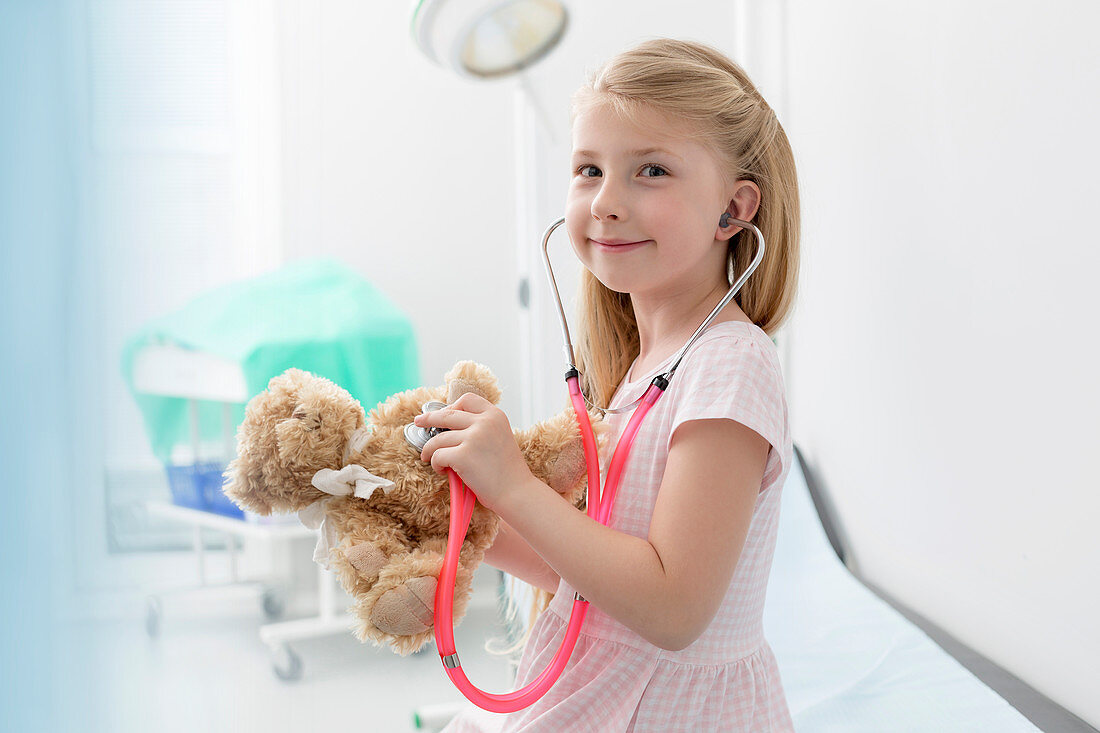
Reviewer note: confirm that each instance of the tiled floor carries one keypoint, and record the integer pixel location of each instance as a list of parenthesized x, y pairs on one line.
[(208, 671)]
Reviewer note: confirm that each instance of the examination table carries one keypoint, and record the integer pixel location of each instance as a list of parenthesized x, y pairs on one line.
[(849, 660)]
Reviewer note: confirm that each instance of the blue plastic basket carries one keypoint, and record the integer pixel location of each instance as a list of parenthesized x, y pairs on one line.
[(199, 486), (186, 486)]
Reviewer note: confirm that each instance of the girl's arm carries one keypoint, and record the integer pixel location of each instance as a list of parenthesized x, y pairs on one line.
[(510, 553), (668, 587)]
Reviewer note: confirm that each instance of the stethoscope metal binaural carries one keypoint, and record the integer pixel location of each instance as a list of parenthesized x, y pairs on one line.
[(598, 508), (734, 288)]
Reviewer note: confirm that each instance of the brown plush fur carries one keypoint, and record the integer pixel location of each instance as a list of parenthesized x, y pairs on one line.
[(390, 549)]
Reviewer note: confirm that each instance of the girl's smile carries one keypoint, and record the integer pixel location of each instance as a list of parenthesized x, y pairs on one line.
[(605, 246)]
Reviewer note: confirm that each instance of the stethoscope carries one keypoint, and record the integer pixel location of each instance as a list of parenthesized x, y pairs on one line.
[(598, 507)]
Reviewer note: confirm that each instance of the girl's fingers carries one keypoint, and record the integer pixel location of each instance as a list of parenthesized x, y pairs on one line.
[(472, 402), (439, 458), (446, 417), (443, 440)]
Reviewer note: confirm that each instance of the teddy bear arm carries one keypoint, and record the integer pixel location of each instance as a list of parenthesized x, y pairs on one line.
[(371, 539), (555, 454)]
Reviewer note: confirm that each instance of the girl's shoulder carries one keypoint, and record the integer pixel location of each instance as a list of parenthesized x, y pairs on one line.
[(734, 372), (730, 333), (733, 351), (716, 339)]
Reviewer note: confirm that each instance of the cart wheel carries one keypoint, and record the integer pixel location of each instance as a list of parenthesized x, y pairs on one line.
[(152, 616), (273, 604), (286, 664)]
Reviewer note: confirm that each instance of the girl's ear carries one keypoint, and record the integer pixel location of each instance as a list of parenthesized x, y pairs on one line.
[(743, 205)]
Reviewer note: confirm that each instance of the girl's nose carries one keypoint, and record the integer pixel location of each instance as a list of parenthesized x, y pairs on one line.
[(602, 211), (607, 205)]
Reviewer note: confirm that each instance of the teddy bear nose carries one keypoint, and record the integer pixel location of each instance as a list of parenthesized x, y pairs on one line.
[(417, 436)]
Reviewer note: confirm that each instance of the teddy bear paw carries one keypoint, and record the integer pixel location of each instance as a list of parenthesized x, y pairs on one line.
[(367, 559), (407, 609)]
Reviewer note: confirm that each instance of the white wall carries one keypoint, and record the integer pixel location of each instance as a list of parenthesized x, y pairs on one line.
[(944, 354), (404, 171)]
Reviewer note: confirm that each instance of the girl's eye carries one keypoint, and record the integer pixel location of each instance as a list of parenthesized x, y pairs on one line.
[(653, 166)]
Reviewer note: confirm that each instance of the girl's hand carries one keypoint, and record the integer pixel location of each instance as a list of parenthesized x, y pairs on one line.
[(478, 445)]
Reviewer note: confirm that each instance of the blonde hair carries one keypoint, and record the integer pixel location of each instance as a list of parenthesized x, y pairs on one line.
[(698, 84)]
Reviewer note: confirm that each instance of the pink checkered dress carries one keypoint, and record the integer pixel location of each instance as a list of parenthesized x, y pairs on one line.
[(728, 680)]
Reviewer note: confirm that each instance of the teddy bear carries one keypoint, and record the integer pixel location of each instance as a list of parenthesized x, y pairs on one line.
[(383, 513)]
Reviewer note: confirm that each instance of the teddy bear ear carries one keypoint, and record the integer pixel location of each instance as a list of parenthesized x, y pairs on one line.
[(469, 376)]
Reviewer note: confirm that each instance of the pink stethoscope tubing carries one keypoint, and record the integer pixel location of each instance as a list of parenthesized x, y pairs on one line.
[(599, 508)]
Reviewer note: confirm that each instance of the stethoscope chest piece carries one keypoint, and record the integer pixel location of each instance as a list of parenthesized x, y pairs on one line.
[(417, 436)]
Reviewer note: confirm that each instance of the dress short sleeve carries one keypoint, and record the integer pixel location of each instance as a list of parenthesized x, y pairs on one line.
[(737, 377)]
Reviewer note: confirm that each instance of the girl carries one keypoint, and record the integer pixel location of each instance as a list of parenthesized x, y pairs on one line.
[(667, 138)]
